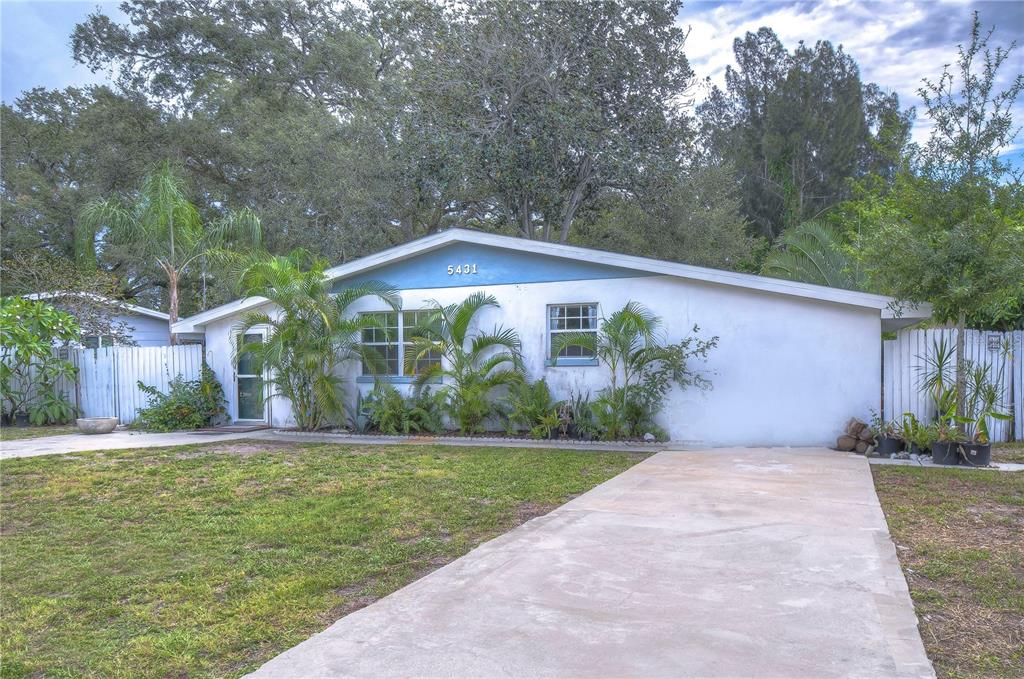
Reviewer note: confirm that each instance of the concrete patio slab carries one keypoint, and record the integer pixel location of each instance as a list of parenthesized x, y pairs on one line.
[(722, 563)]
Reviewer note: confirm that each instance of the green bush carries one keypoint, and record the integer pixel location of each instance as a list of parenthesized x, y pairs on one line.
[(391, 413), (190, 404), (531, 407), (30, 371)]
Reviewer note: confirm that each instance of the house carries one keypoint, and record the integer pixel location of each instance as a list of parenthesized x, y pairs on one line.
[(132, 325), (794, 360)]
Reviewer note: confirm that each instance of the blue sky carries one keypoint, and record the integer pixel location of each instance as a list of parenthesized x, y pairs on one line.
[(895, 43)]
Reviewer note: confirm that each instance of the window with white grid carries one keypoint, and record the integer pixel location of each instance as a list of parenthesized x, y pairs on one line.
[(570, 318)]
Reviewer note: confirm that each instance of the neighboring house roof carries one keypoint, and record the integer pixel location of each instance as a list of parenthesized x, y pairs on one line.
[(642, 265), (128, 308)]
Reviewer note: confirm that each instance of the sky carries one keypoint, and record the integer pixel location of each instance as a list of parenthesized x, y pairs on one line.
[(895, 43)]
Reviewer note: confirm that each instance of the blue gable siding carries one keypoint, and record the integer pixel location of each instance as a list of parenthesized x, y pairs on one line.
[(493, 266)]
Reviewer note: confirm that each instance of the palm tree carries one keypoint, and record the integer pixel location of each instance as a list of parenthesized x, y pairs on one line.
[(310, 335), (812, 252), (641, 368), (474, 364), (163, 224)]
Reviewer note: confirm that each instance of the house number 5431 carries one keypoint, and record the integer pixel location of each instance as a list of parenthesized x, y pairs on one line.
[(462, 269)]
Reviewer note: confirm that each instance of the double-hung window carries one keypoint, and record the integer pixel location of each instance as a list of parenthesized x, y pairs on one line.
[(410, 321), (391, 340), (383, 344), (568, 319)]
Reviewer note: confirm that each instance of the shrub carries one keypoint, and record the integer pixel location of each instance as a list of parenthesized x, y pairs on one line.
[(30, 372), (641, 369), (190, 404), (391, 413), (531, 407), (475, 363)]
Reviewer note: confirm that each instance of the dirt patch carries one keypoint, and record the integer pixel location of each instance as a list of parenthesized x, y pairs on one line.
[(531, 510), (243, 448)]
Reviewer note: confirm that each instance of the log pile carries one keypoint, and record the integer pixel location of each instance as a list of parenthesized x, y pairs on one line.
[(856, 436)]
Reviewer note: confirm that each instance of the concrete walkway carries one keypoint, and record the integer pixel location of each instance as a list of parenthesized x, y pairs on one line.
[(117, 440), (724, 563)]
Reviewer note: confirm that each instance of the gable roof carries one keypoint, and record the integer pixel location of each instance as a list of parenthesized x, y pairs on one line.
[(642, 265), (118, 304)]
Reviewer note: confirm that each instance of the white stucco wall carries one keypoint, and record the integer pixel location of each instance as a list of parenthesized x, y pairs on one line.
[(787, 371)]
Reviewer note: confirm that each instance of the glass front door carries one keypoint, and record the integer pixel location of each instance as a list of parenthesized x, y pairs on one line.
[(251, 404)]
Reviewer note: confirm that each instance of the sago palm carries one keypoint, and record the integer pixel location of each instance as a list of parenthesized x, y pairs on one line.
[(163, 224), (310, 335), (473, 363)]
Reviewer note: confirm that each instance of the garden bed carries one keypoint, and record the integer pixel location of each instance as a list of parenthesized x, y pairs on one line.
[(208, 560), (518, 437), (959, 535)]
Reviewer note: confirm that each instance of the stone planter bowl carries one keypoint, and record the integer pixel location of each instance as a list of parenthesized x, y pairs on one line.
[(96, 425)]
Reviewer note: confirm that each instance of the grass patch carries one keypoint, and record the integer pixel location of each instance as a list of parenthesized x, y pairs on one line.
[(960, 539), (1008, 452), (16, 433), (205, 561)]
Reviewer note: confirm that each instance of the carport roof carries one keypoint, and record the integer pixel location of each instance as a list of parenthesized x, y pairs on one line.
[(892, 318)]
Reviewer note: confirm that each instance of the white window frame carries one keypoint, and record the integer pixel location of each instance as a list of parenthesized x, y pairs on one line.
[(549, 332), (400, 376)]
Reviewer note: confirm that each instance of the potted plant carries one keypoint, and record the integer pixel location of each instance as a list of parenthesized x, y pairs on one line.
[(984, 401), (887, 441), (916, 436), (946, 443)]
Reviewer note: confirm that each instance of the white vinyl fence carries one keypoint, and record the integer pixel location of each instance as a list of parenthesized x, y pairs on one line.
[(108, 378), (1002, 352)]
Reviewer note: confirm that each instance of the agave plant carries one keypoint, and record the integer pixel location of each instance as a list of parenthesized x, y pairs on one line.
[(473, 363), (311, 336)]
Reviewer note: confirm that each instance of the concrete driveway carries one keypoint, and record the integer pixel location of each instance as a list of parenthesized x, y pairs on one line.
[(724, 563)]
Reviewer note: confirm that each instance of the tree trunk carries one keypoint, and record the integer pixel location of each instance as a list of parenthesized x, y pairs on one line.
[(961, 396), (172, 306), (585, 175)]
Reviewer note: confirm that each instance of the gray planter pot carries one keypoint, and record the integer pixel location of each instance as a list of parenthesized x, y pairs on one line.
[(96, 425)]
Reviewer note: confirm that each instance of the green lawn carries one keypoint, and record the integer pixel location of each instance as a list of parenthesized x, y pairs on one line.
[(15, 433), (960, 539), (205, 561), (1008, 452)]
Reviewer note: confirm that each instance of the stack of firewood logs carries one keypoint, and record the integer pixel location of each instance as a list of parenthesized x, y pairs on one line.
[(856, 436)]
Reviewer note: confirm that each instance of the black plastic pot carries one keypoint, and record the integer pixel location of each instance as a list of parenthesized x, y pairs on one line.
[(21, 419), (945, 452), (977, 454), (917, 450), (887, 445)]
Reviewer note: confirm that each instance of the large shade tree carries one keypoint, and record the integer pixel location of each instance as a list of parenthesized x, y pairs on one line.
[(796, 126)]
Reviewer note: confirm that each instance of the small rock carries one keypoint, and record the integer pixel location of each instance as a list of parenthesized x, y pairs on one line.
[(649, 437)]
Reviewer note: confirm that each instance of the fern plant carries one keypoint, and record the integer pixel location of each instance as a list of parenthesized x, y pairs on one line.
[(392, 413)]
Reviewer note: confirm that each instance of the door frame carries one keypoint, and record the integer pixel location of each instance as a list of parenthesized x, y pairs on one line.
[(262, 331)]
